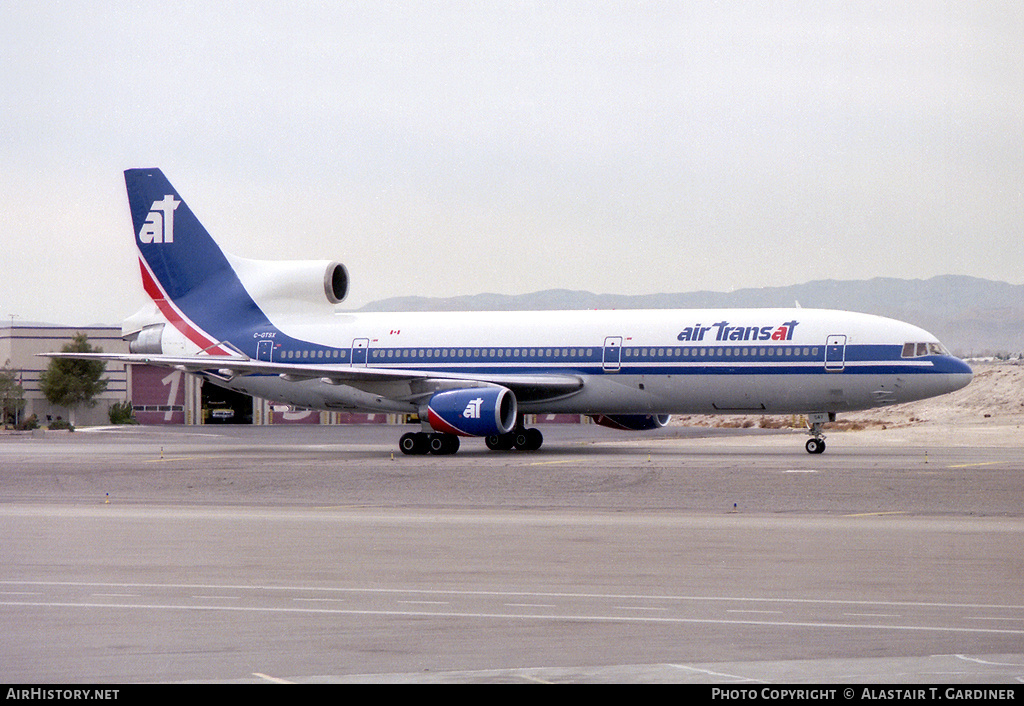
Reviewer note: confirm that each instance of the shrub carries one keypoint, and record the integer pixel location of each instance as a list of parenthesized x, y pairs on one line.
[(122, 413)]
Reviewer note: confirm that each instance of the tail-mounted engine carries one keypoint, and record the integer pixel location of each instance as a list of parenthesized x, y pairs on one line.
[(632, 422), (285, 284), (336, 282), (478, 411), (156, 339)]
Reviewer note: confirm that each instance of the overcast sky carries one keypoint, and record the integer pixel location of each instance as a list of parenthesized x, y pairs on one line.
[(455, 148)]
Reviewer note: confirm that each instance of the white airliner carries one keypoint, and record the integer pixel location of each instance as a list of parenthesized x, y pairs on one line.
[(272, 330)]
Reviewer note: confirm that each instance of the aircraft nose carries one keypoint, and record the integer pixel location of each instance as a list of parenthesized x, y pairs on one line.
[(959, 374)]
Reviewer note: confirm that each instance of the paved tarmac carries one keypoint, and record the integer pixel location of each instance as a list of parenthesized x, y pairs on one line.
[(321, 554)]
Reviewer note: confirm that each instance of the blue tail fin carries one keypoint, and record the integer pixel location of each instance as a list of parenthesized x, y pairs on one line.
[(183, 269), (180, 253)]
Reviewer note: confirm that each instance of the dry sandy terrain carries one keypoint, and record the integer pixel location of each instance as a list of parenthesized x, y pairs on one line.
[(988, 411)]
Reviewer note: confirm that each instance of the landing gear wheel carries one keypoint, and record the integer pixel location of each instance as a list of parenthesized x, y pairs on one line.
[(528, 439), (500, 442), (815, 422), (443, 444), (815, 446), (414, 443)]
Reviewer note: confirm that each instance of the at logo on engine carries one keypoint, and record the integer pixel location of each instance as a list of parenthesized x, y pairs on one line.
[(159, 225), (472, 410)]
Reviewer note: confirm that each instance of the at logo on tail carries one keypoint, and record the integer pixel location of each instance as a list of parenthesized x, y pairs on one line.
[(159, 225)]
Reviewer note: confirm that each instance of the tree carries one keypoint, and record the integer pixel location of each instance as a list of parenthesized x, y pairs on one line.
[(12, 395), (70, 383)]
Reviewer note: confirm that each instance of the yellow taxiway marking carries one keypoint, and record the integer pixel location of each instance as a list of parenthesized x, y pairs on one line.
[(971, 465), (875, 514), (179, 458)]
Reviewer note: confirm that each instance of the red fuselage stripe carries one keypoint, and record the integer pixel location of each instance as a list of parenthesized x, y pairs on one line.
[(174, 316)]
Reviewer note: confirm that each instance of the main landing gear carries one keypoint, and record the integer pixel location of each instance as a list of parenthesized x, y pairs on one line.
[(440, 444), (520, 438), (816, 444), (418, 443)]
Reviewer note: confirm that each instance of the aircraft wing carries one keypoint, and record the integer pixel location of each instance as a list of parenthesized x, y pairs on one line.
[(527, 387)]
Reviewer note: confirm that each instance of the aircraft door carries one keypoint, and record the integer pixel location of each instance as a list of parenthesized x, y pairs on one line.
[(359, 348), (265, 351), (835, 353), (612, 359)]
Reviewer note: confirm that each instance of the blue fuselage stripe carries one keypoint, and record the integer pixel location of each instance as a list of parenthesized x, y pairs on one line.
[(675, 360)]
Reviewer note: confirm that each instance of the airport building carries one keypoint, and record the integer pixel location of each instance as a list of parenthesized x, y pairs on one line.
[(20, 346), (158, 395)]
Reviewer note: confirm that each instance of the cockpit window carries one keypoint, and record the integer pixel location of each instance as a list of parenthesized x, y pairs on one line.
[(917, 350)]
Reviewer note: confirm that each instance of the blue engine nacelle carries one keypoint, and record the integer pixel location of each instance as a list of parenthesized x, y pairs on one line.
[(478, 411), (632, 422)]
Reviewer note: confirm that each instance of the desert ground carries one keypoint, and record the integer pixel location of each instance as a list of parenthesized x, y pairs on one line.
[(988, 411)]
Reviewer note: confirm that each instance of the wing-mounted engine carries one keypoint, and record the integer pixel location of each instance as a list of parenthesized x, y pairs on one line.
[(632, 422), (478, 411), (292, 286)]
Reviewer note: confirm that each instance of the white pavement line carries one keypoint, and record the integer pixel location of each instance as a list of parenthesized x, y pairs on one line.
[(273, 680)]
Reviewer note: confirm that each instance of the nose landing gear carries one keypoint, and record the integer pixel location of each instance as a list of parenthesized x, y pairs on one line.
[(816, 444)]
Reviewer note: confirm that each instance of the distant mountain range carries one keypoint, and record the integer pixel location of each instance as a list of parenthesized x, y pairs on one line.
[(971, 316)]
